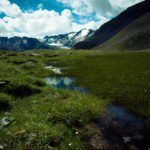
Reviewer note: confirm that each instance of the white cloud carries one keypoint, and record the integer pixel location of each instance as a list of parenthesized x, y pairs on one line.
[(124, 3), (37, 23), (90, 25), (9, 9), (79, 7), (42, 22), (3, 28), (101, 7)]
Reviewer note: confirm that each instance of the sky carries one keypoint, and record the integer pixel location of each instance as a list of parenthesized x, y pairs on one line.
[(39, 18)]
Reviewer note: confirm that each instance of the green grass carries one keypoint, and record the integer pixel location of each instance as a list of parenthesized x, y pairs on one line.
[(121, 77), (41, 116)]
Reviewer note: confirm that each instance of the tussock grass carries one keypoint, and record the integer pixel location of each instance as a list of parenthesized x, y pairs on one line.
[(48, 118), (42, 117)]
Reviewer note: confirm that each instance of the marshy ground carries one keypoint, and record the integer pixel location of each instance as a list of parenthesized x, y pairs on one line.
[(40, 116)]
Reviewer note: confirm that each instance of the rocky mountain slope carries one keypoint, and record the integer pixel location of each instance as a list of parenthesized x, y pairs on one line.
[(114, 26), (136, 36), (67, 40)]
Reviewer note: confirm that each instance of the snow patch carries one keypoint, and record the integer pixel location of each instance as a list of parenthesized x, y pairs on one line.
[(71, 35), (84, 32)]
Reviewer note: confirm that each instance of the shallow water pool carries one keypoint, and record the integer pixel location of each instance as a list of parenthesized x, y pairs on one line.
[(65, 83)]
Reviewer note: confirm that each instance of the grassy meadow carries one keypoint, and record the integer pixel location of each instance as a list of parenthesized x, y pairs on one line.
[(43, 117), (118, 77)]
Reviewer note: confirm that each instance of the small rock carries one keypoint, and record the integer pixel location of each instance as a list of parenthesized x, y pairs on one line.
[(4, 122), (127, 139), (1, 147), (3, 82)]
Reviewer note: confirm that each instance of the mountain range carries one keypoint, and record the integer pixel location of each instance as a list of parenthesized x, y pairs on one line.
[(130, 30), (67, 40), (128, 25), (22, 44), (63, 41)]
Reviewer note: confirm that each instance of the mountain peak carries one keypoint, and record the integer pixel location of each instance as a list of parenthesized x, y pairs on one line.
[(68, 40)]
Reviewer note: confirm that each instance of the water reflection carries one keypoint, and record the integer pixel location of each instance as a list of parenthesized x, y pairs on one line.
[(120, 115), (57, 70), (65, 83), (117, 114), (118, 125)]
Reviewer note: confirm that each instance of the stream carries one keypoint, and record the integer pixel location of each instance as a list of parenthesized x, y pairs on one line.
[(118, 125)]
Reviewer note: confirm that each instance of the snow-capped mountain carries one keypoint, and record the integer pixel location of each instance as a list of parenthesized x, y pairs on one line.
[(67, 40)]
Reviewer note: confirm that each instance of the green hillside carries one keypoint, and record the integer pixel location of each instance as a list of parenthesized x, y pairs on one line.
[(136, 36)]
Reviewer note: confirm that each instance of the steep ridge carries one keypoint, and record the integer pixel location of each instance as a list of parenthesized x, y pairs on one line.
[(111, 28), (136, 36)]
